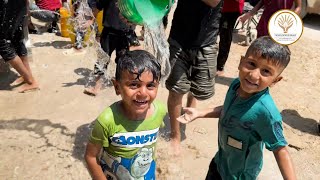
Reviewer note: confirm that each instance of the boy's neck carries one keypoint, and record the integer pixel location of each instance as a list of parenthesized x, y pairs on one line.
[(132, 116), (244, 95)]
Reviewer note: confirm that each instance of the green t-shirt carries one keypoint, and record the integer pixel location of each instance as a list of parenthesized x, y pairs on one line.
[(129, 146), (245, 125)]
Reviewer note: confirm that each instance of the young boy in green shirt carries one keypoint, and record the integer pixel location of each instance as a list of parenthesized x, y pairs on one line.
[(249, 118), (127, 131)]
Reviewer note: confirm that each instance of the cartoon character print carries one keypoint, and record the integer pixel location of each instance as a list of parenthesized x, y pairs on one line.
[(140, 165), (142, 162)]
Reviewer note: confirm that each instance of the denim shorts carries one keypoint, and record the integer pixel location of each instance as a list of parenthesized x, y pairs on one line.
[(193, 70)]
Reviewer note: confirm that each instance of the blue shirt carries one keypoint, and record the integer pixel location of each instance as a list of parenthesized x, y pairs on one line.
[(245, 126)]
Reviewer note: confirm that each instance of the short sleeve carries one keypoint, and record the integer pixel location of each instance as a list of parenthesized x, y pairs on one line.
[(271, 133), (99, 135), (163, 112)]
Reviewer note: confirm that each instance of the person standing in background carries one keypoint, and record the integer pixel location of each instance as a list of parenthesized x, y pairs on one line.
[(193, 57), (231, 10), (270, 7), (12, 48), (47, 11)]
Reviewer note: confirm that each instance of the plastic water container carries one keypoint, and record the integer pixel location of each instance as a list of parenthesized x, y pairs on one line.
[(99, 21), (64, 17), (72, 34), (144, 11)]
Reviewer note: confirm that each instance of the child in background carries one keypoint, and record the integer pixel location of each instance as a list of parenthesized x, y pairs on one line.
[(82, 21), (116, 35), (193, 58), (249, 119), (270, 7), (231, 10), (12, 47), (127, 131)]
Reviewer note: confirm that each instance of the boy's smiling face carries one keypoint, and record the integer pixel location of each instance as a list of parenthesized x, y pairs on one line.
[(137, 93), (256, 74)]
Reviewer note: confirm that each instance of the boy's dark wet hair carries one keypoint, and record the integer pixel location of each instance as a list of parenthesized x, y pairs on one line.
[(137, 62), (266, 48)]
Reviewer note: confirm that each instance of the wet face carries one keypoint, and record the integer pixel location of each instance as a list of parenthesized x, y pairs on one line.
[(256, 74), (137, 94)]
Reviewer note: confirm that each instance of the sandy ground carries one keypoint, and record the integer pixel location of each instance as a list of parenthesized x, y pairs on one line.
[(44, 133)]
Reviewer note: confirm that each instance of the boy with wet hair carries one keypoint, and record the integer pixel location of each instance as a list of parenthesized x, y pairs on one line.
[(127, 130), (249, 118)]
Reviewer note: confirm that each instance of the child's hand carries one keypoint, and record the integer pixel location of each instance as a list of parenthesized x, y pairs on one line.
[(297, 10), (244, 17), (190, 115)]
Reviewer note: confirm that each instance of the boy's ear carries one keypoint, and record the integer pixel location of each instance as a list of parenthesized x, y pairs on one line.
[(116, 86), (279, 78), (241, 59)]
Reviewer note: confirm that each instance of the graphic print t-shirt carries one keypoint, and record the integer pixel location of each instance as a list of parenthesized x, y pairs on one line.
[(129, 146)]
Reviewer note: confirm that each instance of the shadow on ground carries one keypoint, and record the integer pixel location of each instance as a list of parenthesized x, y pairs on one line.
[(81, 140), (312, 21), (49, 132), (295, 120), (6, 76), (55, 44), (84, 73), (224, 80), (36, 126)]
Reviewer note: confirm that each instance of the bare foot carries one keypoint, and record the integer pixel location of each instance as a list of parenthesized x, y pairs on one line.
[(220, 73), (90, 91), (18, 81), (175, 145), (28, 87)]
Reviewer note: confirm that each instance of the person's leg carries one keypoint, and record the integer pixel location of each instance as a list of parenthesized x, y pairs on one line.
[(227, 23), (42, 14), (178, 84), (105, 41), (54, 28), (19, 66), (120, 43), (25, 62), (222, 53), (191, 101), (22, 52), (174, 109)]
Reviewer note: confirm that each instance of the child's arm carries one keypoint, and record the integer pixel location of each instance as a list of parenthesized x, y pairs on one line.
[(284, 162), (191, 114), (247, 15), (91, 154), (298, 5)]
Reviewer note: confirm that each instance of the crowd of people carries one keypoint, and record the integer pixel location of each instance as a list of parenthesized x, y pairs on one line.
[(126, 132)]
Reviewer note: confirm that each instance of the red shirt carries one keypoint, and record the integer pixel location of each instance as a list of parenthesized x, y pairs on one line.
[(233, 6), (51, 5)]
